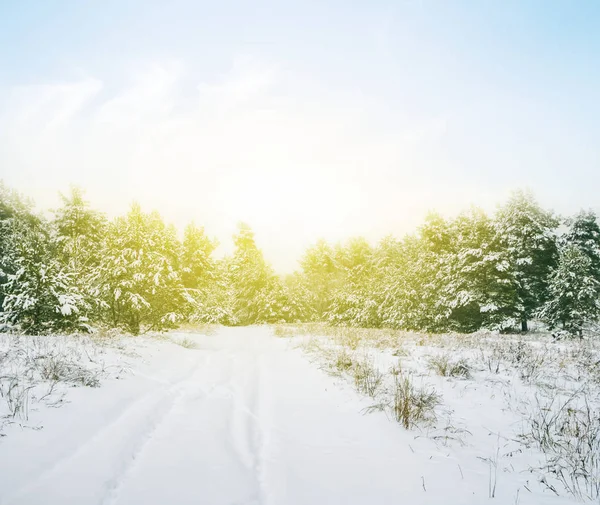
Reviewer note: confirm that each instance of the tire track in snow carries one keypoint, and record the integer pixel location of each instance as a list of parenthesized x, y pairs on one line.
[(247, 425), (113, 448), (242, 412), (113, 487), (262, 425), (192, 394)]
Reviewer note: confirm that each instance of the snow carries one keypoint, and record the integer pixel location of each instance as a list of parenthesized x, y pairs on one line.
[(249, 418)]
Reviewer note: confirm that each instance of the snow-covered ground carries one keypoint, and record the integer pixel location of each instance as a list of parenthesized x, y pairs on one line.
[(244, 417)]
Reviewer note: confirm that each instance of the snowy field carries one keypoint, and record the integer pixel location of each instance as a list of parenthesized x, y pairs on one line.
[(307, 415)]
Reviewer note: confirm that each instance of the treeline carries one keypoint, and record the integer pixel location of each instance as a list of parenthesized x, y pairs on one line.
[(78, 270)]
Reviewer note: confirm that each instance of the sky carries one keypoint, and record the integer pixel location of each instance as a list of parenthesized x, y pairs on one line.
[(307, 120)]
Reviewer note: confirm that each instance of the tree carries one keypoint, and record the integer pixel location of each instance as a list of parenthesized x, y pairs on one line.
[(138, 275), (79, 232), (584, 233), (200, 277), (197, 265), (409, 285), (36, 290), (250, 278), (16, 218), (527, 233), (353, 302), (40, 294), (574, 292), (322, 276), (478, 283)]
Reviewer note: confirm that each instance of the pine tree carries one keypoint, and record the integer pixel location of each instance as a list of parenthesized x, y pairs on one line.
[(574, 292), (139, 275), (322, 276), (478, 283), (250, 278), (527, 233), (79, 232), (409, 285), (16, 218), (353, 302), (584, 233), (40, 294), (197, 265)]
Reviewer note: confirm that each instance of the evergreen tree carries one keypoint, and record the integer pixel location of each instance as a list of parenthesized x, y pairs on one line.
[(250, 277), (40, 294), (574, 292), (199, 275), (322, 276), (409, 286), (478, 283), (79, 232), (584, 233), (197, 265), (299, 298), (16, 218), (139, 273), (527, 233), (353, 302), (431, 256)]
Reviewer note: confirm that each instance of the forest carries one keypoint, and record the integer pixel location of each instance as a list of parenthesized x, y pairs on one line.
[(77, 271)]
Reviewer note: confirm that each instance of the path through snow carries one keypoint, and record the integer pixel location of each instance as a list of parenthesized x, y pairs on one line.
[(244, 419)]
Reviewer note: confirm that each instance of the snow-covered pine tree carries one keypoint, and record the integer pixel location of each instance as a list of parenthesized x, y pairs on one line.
[(138, 274), (353, 302), (300, 303), (250, 278), (478, 284), (16, 216), (79, 234), (200, 276), (39, 293), (409, 284), (527, 233), (322, 276), (197, 265), (584, 233), (79, 231), (431, 264), (574, 292)]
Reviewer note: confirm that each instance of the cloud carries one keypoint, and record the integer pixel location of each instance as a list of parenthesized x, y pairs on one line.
[(257, 144)]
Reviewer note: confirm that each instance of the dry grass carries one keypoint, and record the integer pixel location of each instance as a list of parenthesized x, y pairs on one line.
[(411, 405), (445, 366), (185, 342), (552, 386), (368, 379), (36, 369), (567, 430)]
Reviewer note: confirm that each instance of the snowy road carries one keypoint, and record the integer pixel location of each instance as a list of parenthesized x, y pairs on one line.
[(243, 419)]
